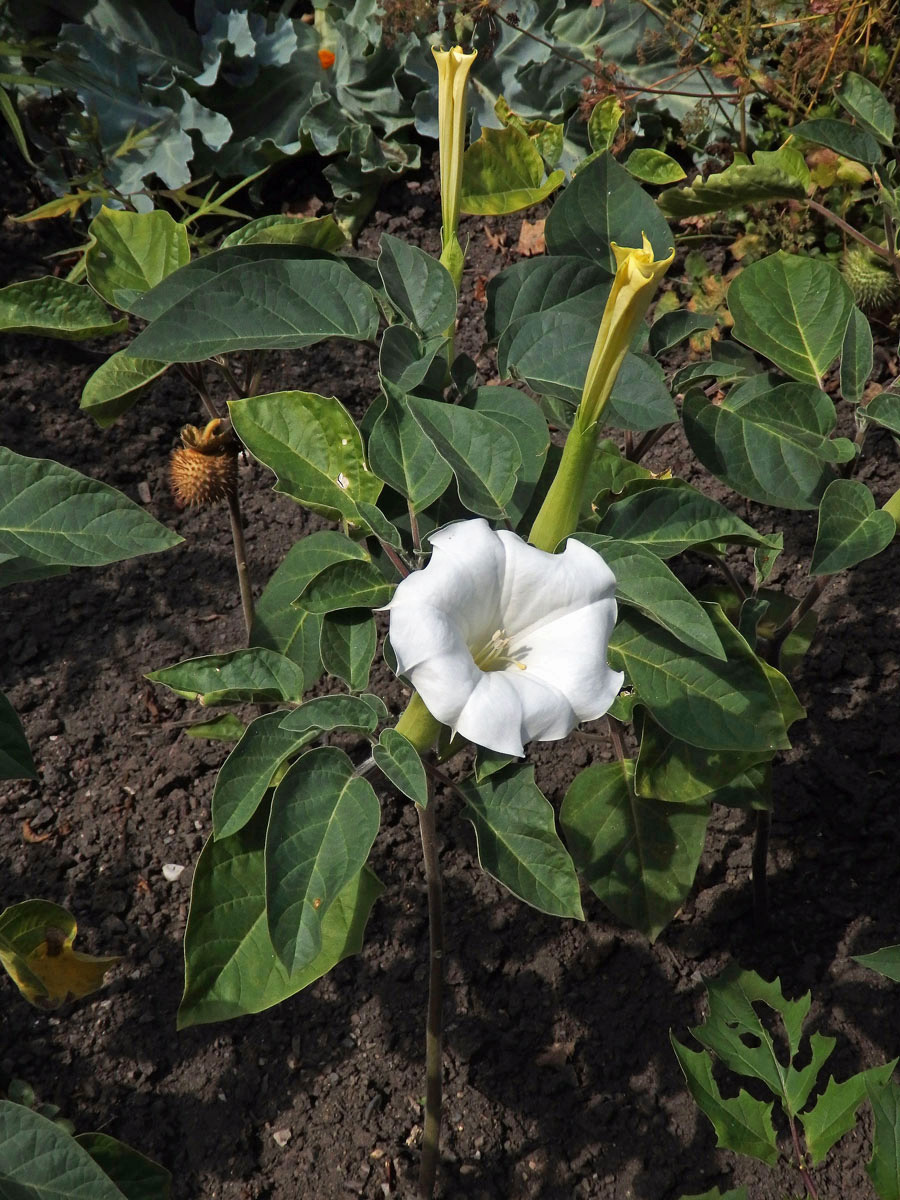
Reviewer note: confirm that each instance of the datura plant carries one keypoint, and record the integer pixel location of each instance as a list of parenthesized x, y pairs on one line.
[(531, 584)]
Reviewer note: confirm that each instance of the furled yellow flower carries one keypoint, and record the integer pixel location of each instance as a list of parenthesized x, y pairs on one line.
[(453, 72)]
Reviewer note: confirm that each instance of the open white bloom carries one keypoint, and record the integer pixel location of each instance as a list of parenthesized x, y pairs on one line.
[(505, 642)]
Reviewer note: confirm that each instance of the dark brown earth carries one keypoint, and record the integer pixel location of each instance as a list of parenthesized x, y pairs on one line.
[(560, 1081)]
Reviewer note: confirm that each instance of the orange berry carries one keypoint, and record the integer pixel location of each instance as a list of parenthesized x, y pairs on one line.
[(326, 58)]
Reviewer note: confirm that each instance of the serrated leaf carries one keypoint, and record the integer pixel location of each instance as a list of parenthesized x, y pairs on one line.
[(133, 252), (639, 856), (482, 454), (347, 644), (59, 1170), (775, 447), (672, 519), (884, 1166), (276, 304), (351, 583), (136, 1176), (15, 756), (231, 967), (603, 204), (834, 1112), (653, 166), (852, 141), (57, 517), (278, 623), (885, 961), (794, 310), (249, 770), (518, 845), (418, 285), (323, 822), (312, 445), (399, 761), (256, 675), (38, 936), (856, 357), (645, 582), (335, 712), (503, 172), (700, 700), (742, 1124), (117, 385), (851, 529), (864, 101), (739, 184), (52, 307)]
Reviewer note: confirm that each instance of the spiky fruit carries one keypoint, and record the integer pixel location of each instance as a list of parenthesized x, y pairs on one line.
[(874, 285), (203, 470)]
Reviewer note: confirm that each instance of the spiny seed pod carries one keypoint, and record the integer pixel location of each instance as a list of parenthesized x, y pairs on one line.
[(874, 286), (203, 470)]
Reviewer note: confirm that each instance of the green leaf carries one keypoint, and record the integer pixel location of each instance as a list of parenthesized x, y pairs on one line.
[(136, 1176), (670, 769), (15, 756), (885, 961), (794, 310), (281, 625), (520, 416), (851, 528), (249, 770), (856, 357), (644, 581), (335, 712), (351, 583), (323, 822), (671, 328), (133, 252), (864, 101), (652, 166), (117, 385), (503, 173), (312, 445), (399, 761), (670, 519), (403, 455), (225, 728), (840, 136), (57, 517), (603, 123), (407, 361), (256, 675), (884, 410), (41, 1161), (347, 645), (834, 1113), (884, 1166), (56, 308), (275, 304), (639, 856), (603, 204), (742, 1124), (320, 233), (540, 285), (716, 705), (483, 455), (418, 285), (739, 184), (774, 447), (518, 844), (231, 966)]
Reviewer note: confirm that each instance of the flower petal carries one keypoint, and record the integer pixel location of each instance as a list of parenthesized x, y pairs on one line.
[(432, 653), (539, 587)]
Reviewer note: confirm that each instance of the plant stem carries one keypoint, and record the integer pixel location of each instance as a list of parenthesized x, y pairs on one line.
[(801, 1161), (434, 1026), (759, 870), (842, 224), (240, 559), (787, 627), (648, 441), (615, 737), (193, 373)]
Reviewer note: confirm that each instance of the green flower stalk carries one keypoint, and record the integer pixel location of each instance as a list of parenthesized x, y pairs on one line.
[(453, 72), (637, 277)]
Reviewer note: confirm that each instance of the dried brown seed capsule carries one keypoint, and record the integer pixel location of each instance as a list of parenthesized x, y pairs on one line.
[(204, 470)]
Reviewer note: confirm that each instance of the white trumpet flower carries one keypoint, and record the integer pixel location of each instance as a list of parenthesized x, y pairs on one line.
[(505, 642)]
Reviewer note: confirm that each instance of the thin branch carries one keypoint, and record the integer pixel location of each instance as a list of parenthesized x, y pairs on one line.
[(240, 559), (648, 441), (795, 205)]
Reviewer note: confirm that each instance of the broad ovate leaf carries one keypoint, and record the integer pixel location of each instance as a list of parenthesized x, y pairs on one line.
[(132, 252)]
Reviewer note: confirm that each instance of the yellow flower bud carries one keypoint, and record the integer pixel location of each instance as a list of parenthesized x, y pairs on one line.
[(453, 72)]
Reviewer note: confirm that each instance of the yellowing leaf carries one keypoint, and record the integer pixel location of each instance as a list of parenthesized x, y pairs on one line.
[(36, 940)]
